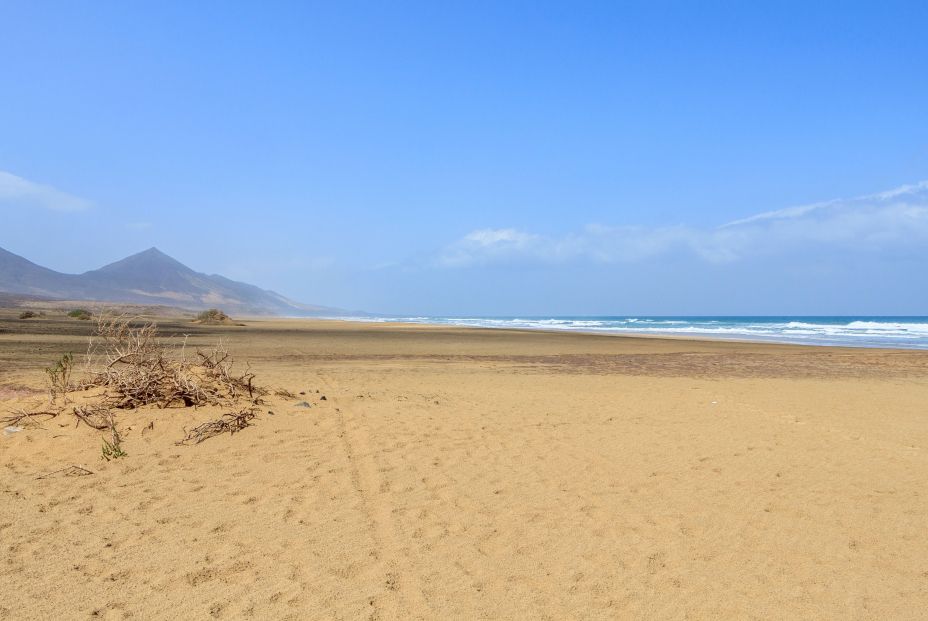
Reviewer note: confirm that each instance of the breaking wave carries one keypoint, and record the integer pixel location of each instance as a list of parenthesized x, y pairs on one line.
[(904, 332)]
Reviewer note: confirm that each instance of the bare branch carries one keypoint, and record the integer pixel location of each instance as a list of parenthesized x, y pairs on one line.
[(231, 422)]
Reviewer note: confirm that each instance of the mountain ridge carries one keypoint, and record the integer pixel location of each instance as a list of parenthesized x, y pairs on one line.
[(149, 277)]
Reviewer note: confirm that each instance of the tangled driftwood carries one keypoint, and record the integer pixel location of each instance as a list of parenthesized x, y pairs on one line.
[(231, 422)]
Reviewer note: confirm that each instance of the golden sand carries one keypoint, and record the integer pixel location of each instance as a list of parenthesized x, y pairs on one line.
[(479, 474)]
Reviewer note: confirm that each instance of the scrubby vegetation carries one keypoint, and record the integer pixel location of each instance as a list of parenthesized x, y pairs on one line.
[(128, 366), (112, 449), (137, 369), (59, 376), (213, 316), (28, 314), (80, 313)]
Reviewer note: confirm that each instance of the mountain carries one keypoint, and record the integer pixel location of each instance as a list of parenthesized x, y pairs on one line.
[(19, 275), (149, 277)]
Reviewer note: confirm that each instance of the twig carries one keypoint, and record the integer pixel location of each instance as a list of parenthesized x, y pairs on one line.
[(22, 415), (70, 471), (87, 414), (231, 422)]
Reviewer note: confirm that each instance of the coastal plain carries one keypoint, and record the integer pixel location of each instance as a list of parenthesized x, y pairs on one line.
[(464, 473)]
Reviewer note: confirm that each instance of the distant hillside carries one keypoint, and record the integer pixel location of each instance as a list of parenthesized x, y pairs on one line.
[(149, 277)]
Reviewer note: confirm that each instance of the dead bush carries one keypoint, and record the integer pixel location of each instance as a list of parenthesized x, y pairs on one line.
[(213, 316), (129, 366), (137, 369)]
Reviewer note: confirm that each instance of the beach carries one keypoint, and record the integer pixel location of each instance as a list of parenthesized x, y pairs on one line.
[(438, 472)]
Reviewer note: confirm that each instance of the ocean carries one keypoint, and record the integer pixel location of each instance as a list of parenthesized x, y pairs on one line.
[(902, 332)]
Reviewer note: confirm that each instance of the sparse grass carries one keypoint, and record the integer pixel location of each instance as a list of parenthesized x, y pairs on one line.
[(112, 450), (80, 313), (59, 376)]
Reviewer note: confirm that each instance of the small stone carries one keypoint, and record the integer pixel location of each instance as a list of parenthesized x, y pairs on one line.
[(304, 404), (322, 398)]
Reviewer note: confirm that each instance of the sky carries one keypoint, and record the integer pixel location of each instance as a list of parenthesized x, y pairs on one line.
[(480, 158)]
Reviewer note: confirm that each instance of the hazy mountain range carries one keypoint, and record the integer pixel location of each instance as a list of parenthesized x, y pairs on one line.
[(152, 278)]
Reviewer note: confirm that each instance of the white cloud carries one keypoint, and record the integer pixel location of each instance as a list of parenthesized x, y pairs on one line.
[(491, 244), (892, 220), (18, 192)]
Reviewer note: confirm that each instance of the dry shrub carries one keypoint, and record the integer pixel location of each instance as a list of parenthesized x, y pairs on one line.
[(59, 377), (137, 369), (216, 366), (80, 313), (132, 367), (212, 316)]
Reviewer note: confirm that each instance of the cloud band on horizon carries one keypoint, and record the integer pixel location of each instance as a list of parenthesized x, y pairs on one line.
[(896, 219)]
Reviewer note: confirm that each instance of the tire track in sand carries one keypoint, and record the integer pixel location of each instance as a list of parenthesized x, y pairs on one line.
[(402, 596)]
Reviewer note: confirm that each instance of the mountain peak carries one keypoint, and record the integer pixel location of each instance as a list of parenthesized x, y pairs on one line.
[(145, 261), (152, 252)]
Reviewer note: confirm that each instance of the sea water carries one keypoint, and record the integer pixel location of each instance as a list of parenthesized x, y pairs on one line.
[(903, 332)]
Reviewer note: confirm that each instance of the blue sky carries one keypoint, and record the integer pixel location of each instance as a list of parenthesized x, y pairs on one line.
[(480, 158)]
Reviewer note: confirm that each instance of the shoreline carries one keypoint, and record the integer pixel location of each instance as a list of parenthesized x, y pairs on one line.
[(180, 315), (698, 338)]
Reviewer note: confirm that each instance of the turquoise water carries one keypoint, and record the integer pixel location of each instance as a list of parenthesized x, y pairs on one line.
[(904, 332)]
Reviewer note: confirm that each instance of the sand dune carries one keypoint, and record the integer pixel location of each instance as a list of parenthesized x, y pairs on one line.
[(478, 474)]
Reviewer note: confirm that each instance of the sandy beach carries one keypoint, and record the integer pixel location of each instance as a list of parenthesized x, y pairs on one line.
[(449, 473)]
